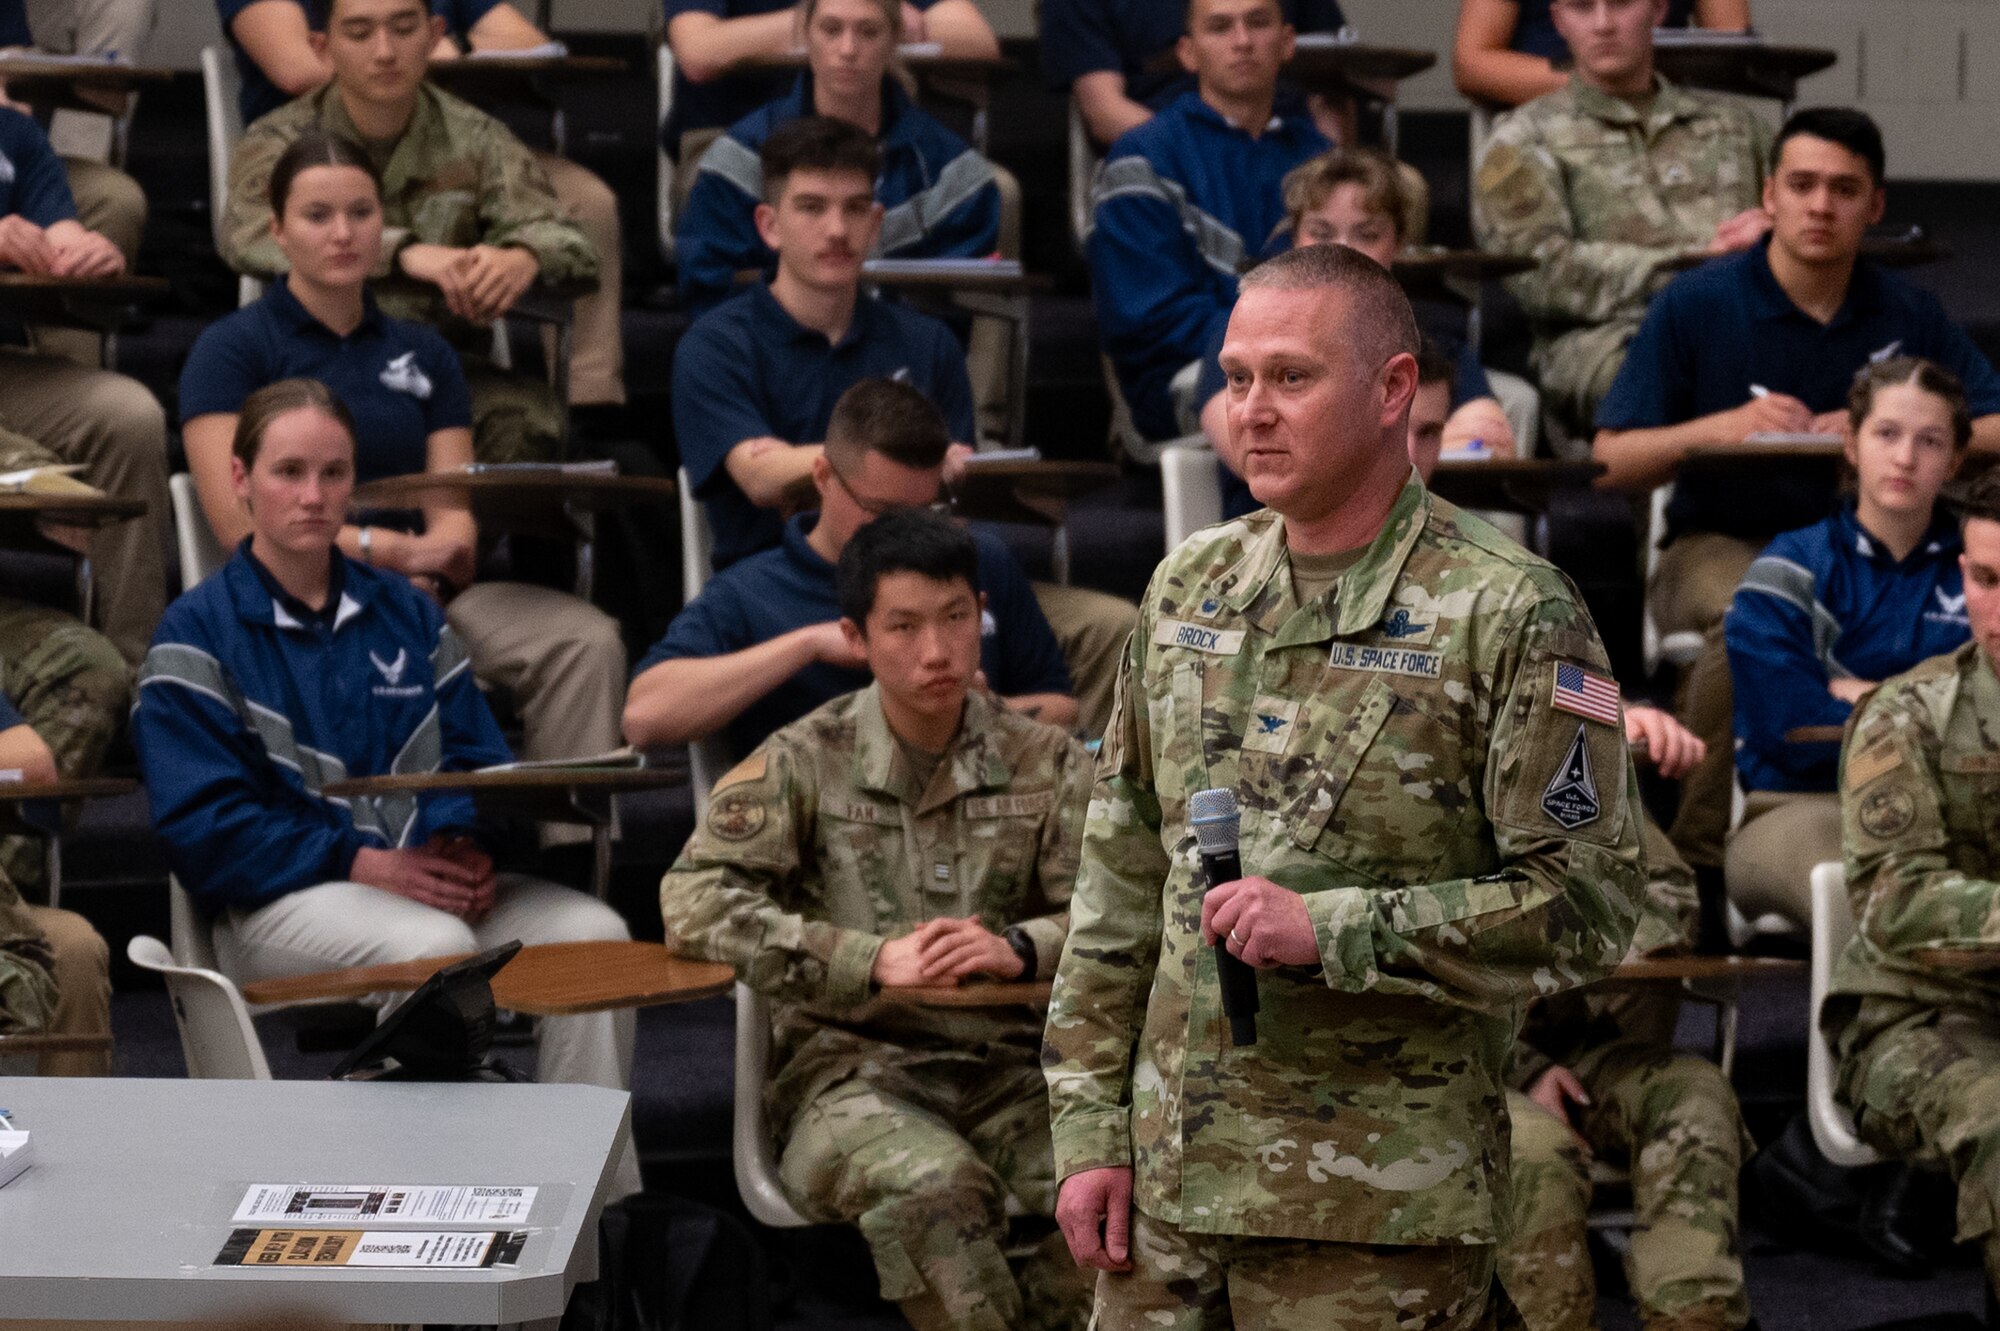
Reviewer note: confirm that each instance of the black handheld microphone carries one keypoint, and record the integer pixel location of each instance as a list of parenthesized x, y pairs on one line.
[(1212, 814)]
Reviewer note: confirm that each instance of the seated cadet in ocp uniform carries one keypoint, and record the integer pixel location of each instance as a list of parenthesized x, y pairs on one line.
[(1828, 611), (559, 658), (472, 221), (911, 833), (276, 61), (938, 196), (1919, 1043), (294, 667), (756, 378), (762, 646), (71, 686), (1606, 183), (1507, 52)]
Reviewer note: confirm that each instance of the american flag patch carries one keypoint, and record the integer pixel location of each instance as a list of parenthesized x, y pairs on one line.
[(1584, 694)]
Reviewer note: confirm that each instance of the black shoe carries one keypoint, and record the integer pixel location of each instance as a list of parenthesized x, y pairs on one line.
[(1899, 1222)]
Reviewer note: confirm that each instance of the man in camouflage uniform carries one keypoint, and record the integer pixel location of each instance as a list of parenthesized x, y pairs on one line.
[(55, 970), (1604, 184), (880, 840), (1597, 1074), (470, 221), (1439, 822), (1919, 1043)]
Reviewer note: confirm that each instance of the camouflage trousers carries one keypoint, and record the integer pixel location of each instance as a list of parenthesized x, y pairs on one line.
[(1204, 1282), (27, 968), (1575, 370), (922, 1160), (1671, 1120), (515, 416), (73, 687), (1926, 1082)]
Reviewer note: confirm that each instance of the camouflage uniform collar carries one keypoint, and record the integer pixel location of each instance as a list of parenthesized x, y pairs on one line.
[(1360, 598), (973, 762), (1669, 104), (426, 125)]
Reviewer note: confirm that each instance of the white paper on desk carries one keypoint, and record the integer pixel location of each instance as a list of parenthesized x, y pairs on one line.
[(1000, 457), (1703, 37), (601, 467), (17, 1152), (113, 61), (1320, 41), (316, 1203), (1789, 437), (883, 269), (627, 757), (919, 50), (546, 51)]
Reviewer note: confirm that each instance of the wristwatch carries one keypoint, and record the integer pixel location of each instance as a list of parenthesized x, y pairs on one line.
[(1024, 948)]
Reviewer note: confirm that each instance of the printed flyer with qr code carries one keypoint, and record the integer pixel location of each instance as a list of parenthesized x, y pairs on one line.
[(322, 1248)]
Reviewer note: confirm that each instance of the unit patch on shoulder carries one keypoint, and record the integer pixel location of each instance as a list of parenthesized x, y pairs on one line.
[(736, 817), (1887, 813), (1571, 796)]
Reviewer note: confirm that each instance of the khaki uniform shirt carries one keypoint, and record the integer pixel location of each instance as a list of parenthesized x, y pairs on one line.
[(1920, 823), (1462, 843), (456, 177), (820, 846), (1602, 195)]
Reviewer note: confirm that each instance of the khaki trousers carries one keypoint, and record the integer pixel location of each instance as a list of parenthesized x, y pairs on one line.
[(1771, 856), (82, 971), (1691, 590), (597, 347), (1091, 628), (117, 430), (559, 658)]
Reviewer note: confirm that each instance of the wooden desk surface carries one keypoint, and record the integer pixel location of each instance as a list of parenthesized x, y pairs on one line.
[(545, 980), (1434, 265), (920, 58), (1752, 68), (24, 512), (1960, 958), (42, 81), (76, 788), (471, 69), (1521, 485), (102, 303), (1320, 60), (1033, 993), (516, 499), (1651, 970), (1815, 734), (1003, 277), (1027, 492), (1729, 455), (512, 779)]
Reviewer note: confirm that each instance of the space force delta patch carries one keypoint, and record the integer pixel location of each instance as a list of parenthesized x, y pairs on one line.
[(1198, 637), (1571, 797)]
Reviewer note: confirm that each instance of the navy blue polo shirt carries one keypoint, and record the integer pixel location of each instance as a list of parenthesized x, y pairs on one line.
[(747, 369), (1727, 325), (10, 716), (33, 183), (1136, 38), (724, 101), (776, 591), (258, 96), (401, 381), (14, 24), (1535, 31)]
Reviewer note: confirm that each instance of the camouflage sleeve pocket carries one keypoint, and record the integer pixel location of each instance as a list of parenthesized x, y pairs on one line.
[(1563, 772)]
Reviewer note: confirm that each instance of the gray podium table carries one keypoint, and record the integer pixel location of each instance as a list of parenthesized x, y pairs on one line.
[(129, 1200)]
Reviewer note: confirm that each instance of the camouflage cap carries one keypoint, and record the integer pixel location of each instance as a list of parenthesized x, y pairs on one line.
[(1978, 497)]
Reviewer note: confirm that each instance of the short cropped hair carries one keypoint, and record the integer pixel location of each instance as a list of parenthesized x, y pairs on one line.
[(1433, 366), (888, 417), (816, 143), (271, 401), (319, 13), (1187, 18), (1927, 375), (313, 148), (905, 541), (1310, 184), (1851, 129), (1381, 314)]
